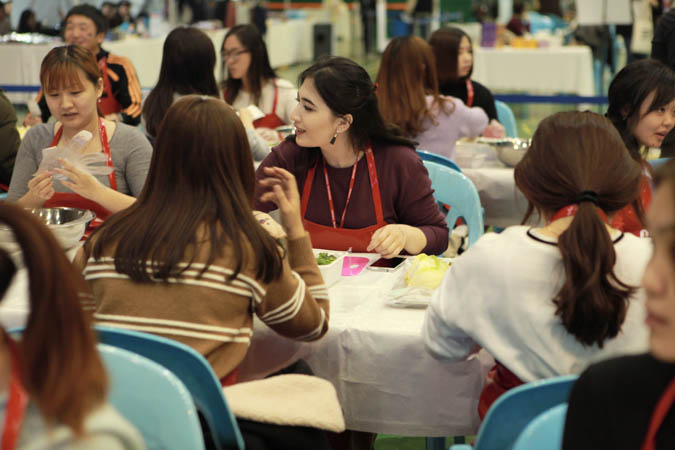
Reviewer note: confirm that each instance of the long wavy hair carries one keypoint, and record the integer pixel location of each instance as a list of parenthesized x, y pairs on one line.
[(188, 61), (201, 183), (572, 152), (60, 366), (402, 88)]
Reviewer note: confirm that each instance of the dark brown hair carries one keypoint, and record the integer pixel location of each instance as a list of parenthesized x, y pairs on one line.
[(445, 45), (572, 152), (403, 88), (629, 89), (260, 69), (60, 365), (201, 178), (188, 60)]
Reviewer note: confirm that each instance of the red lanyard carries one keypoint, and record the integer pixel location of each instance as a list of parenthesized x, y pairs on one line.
[(106, 150), (469, 92), (330, 195), (571, 210), (662, 408), (16, 405)]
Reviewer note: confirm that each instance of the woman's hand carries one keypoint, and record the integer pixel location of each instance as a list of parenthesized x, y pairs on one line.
[(269, 135), (388, 241), (31, 120), (283, 191), (391, 239), (40, 187), (494, 130), (81, 182)]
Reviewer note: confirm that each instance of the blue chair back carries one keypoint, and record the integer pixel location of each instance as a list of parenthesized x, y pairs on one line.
[(656, 163), (545, 432), (193, 370), (153, 399), (440, 159), (511, 413), (454, 189), (506, 117)]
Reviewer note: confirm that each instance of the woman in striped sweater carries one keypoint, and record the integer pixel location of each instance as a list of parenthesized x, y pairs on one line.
[(190, 261)]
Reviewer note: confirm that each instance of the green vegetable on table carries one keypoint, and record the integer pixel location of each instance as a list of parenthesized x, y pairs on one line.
[(325, 258)]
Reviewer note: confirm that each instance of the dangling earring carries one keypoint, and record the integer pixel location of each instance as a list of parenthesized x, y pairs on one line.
[(332, 141)]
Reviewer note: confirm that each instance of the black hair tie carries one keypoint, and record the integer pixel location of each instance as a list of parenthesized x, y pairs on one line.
[(588, 196)]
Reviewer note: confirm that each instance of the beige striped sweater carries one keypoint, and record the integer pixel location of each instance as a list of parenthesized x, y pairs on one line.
[(211, 315)]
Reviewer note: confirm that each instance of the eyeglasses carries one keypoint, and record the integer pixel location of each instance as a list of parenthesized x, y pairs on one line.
[(234, 54)]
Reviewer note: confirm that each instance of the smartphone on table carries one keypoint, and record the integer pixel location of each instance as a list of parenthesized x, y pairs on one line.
[(387, 264)]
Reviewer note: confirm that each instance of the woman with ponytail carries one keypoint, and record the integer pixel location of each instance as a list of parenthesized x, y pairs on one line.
[(549, 300), (52, 382)]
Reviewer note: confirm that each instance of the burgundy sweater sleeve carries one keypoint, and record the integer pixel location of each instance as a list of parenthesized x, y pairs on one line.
[(284, 156), (414, 201)]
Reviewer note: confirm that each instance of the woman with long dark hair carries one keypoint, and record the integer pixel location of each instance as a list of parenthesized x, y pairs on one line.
[(188, 61), (42, 405), (454, 63), (549, 300), (408, 97), (190, 261), (642, 108), (251, 80), (363, 185)]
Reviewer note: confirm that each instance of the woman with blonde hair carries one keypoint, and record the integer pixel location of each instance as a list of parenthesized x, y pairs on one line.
[(408, 97)]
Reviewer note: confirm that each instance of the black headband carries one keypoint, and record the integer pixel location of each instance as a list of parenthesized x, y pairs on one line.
[(588, 196)]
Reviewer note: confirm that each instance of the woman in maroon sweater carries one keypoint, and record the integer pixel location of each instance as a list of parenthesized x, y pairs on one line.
[(362, 185)]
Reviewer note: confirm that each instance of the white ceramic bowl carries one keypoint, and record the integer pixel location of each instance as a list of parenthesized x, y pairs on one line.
[(331, 272)]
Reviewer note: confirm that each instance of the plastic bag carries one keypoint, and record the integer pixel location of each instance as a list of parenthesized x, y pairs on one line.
[(92, 163)]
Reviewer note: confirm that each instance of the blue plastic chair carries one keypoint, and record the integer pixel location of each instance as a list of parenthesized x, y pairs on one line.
[(656, 163), (456, 190), (193, 370), (513, 411), (505, 117), (153, 399), (440, 159), (545, 432)]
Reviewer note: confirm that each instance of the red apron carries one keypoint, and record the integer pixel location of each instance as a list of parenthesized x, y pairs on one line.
[(107, 103), (469, 93), (17, 402), (339, 238), (271, 120), (73, 200), (499, 380), (659, 413), (626, 219)]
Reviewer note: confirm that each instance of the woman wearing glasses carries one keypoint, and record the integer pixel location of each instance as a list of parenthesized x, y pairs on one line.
[(252, 81)]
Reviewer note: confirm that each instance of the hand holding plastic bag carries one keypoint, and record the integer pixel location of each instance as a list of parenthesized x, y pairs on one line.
[(91, 163)]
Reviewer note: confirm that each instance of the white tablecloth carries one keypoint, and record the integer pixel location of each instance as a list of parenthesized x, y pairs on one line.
[(375, 357), (373, 354), (288, 42), (550, 70), (503, 203)]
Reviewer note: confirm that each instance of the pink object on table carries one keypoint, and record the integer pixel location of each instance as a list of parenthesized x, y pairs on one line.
[(353, 265)]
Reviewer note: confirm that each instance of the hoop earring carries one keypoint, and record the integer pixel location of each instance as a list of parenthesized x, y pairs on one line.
[(332, 141)]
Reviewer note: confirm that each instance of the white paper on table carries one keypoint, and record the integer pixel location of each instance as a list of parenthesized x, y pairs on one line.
[(92, 163)]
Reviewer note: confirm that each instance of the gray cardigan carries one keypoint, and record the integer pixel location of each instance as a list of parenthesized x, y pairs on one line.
[(130, 151)]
